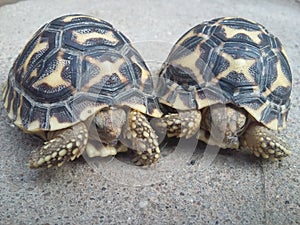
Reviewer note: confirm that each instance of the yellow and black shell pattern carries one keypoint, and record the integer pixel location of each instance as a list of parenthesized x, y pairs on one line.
[(71, 68), (229, 60)]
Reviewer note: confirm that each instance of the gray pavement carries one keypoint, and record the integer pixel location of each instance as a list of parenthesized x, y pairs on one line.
[(229, 188)]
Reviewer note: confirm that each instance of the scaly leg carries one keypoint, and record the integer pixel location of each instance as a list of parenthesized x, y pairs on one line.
[(141, 138), (66, 145), (264, 143), (182, 124)]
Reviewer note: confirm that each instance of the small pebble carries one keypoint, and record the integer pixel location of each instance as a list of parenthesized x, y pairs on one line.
[(143, 204)]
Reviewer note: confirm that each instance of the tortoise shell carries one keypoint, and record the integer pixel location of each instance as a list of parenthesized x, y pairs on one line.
[(71, 68), (229, 60)]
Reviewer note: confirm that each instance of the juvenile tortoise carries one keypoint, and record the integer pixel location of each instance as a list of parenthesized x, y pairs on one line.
[(75, 72), (229, 81)]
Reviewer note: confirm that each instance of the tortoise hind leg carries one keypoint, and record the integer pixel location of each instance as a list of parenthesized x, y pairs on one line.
[(66, 145), (264, 142)]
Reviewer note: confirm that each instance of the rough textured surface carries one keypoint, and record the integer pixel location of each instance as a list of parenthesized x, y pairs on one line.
[(227, 188)]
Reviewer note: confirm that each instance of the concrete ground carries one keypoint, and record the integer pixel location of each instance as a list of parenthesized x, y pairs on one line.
[(187, 186)]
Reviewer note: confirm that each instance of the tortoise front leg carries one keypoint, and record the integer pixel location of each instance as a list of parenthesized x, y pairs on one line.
[(66, 145), (141, 138), (182, 124), (264, 142)]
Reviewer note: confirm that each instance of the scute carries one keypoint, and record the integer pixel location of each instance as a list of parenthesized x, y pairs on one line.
[(71, 68), (229, 60), (85, 38)]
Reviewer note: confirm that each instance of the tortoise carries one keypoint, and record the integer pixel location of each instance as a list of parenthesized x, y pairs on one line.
[(76, 73), (228, 80)]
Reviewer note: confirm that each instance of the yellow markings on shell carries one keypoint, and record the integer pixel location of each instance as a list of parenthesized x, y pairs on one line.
[(34, 73), (256, 113), (239, 65), (70, 18), (231, 32), (178, 102), (10, 111), (281, 78), (55, 79), (90, 110), (82, 38), (34, 125), (57, 125), (106, 68), (40, 46), (242, 66), (156, 113), (138, 107), (145, 74), (189, 62), (284, 53)]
